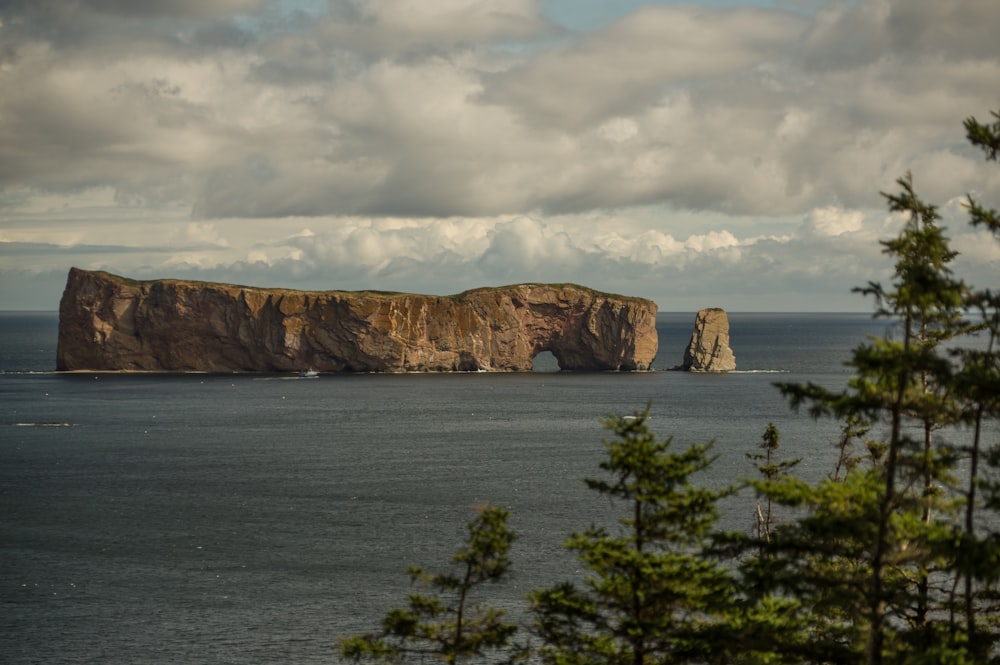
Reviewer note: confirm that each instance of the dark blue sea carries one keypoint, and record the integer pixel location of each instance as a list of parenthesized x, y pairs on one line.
[(256, 518)]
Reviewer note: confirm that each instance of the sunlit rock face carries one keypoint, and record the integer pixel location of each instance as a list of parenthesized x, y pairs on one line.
[(111, 323), (709, 348)]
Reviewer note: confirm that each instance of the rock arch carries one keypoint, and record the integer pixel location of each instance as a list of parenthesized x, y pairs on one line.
[(107, 322)]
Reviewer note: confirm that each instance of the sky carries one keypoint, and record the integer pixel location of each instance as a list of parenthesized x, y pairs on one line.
[(720, 153)]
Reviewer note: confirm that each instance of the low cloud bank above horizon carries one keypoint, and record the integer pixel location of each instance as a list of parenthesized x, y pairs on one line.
[(697, 155)]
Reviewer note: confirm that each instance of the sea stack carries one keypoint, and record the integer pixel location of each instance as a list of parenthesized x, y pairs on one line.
[(111, 323), (709, 348)]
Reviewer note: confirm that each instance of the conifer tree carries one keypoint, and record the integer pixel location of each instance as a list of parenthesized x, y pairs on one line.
[(650, 594), (447, 624), (977, 383), (903, 385), (915, 388), (892, 560)]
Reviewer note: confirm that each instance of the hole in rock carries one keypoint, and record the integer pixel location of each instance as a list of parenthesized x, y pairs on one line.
[(545, 362)]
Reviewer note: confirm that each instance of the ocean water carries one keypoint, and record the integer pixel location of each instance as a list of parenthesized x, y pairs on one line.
[(256, 518)]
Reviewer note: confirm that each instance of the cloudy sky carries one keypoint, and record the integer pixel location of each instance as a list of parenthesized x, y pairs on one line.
[(717, 153)]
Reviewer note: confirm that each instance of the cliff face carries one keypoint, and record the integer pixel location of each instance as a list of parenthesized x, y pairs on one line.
[(709, 348), (108, 322)]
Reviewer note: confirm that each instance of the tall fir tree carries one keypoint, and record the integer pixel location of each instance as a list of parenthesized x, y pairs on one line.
[(650, 595), (977, 384), (924, 578), (904, 386)]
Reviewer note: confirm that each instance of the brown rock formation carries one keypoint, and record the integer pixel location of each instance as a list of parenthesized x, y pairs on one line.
[(709, 348), (108, 322)]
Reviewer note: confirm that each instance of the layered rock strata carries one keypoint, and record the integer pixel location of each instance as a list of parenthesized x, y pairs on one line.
[(709, 349), (111, 323)]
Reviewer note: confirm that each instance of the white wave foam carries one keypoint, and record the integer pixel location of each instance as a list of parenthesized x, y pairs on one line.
[(43, 424)]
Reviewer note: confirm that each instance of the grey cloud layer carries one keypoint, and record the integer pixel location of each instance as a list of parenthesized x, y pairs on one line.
[(456, 108), (696, 156)]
